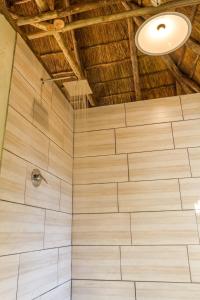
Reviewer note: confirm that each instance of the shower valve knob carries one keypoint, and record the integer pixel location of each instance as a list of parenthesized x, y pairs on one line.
[(36, 178)]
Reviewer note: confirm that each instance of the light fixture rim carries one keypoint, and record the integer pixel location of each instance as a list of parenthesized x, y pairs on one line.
[(158, 15)]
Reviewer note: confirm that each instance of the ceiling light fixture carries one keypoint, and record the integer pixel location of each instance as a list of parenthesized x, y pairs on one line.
[(163, 33)]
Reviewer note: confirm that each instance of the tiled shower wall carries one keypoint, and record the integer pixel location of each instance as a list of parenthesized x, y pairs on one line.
[(35, 223), (136, 202)]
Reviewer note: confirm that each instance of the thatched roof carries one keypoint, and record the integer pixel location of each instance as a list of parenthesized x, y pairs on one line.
[(104, 52)]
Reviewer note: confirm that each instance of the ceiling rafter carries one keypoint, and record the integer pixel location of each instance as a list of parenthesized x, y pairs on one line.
[(133, 54), (75, 65), (118, 16)]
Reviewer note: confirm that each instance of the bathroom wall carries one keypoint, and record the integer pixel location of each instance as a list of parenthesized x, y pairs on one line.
[(35, 223), (136, 202)]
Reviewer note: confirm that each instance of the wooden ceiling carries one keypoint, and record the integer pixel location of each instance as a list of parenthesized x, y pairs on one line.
[(104, 52)]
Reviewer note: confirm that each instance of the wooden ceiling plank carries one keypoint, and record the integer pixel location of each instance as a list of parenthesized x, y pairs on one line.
[(118, 16)]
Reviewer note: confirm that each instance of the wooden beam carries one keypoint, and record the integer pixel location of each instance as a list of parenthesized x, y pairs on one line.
[(78, 58), (42, 5), (134, 59), (119, 16), (73, 9), (187, 84)]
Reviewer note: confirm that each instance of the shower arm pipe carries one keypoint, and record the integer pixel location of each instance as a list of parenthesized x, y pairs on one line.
[(74, 77)]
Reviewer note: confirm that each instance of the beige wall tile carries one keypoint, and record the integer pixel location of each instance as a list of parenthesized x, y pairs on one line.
[(194, 154), (101, 229), (60, 163), (194, 260), (149, 196), (66, 197), (94, 143), (64, 264), (175, 227), (101, 169), (22, 95), (144, 138), (62, 107), (96, 262), (167, 291), (68, 140), (104, 117), (191, 106), (27, 64), (8, 277), (90, 290), (159, 165), (62, 292), (12, 178), (95, 198), (186, 133), (25, 140), (22, 228), (41, 116), (37, 273), (57, 229), (190, 193), (153, 111), (56, 129), (47, 195), (160, 263)]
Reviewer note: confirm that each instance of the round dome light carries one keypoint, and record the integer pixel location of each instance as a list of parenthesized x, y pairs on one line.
[(163, 33)]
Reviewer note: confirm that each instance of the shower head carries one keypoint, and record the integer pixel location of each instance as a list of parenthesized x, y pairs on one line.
[(78, 88)]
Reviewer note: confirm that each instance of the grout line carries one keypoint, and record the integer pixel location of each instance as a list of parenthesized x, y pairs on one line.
[(117, 197), (128, 168), (18, 277), (115, 137), (189, 263), (189, 161), (137, 281), (120, 261), (173, 136), (181, 107), (54, 288), (58, 259), (181, 201), (135, 290), (197, 224), (131, 235)]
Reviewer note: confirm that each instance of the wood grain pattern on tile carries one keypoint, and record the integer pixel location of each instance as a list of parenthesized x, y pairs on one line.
[(101, 229), (94, 143), (149, 196), (194, 154), (25, 140), (68, 140), (37, 273), (191, 106), (153, 111), (22, 228), (66, 197), (12, 187), (41, 116), (22, 95), (186, 133), (56, 129), (190, 193), (159, 165), (47, 195), (172, 228), (8, 276), (62, 292), (144, 138), (95, 198), (101, 169), (64, 264), (57, 229), (167, 291), (156, 263), (90, 290), (60, 163), (104, 117), (62, 107), (93, 262), (194, 260)]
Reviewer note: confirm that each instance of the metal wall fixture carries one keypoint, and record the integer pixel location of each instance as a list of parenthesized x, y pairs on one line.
[(36, 178)]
